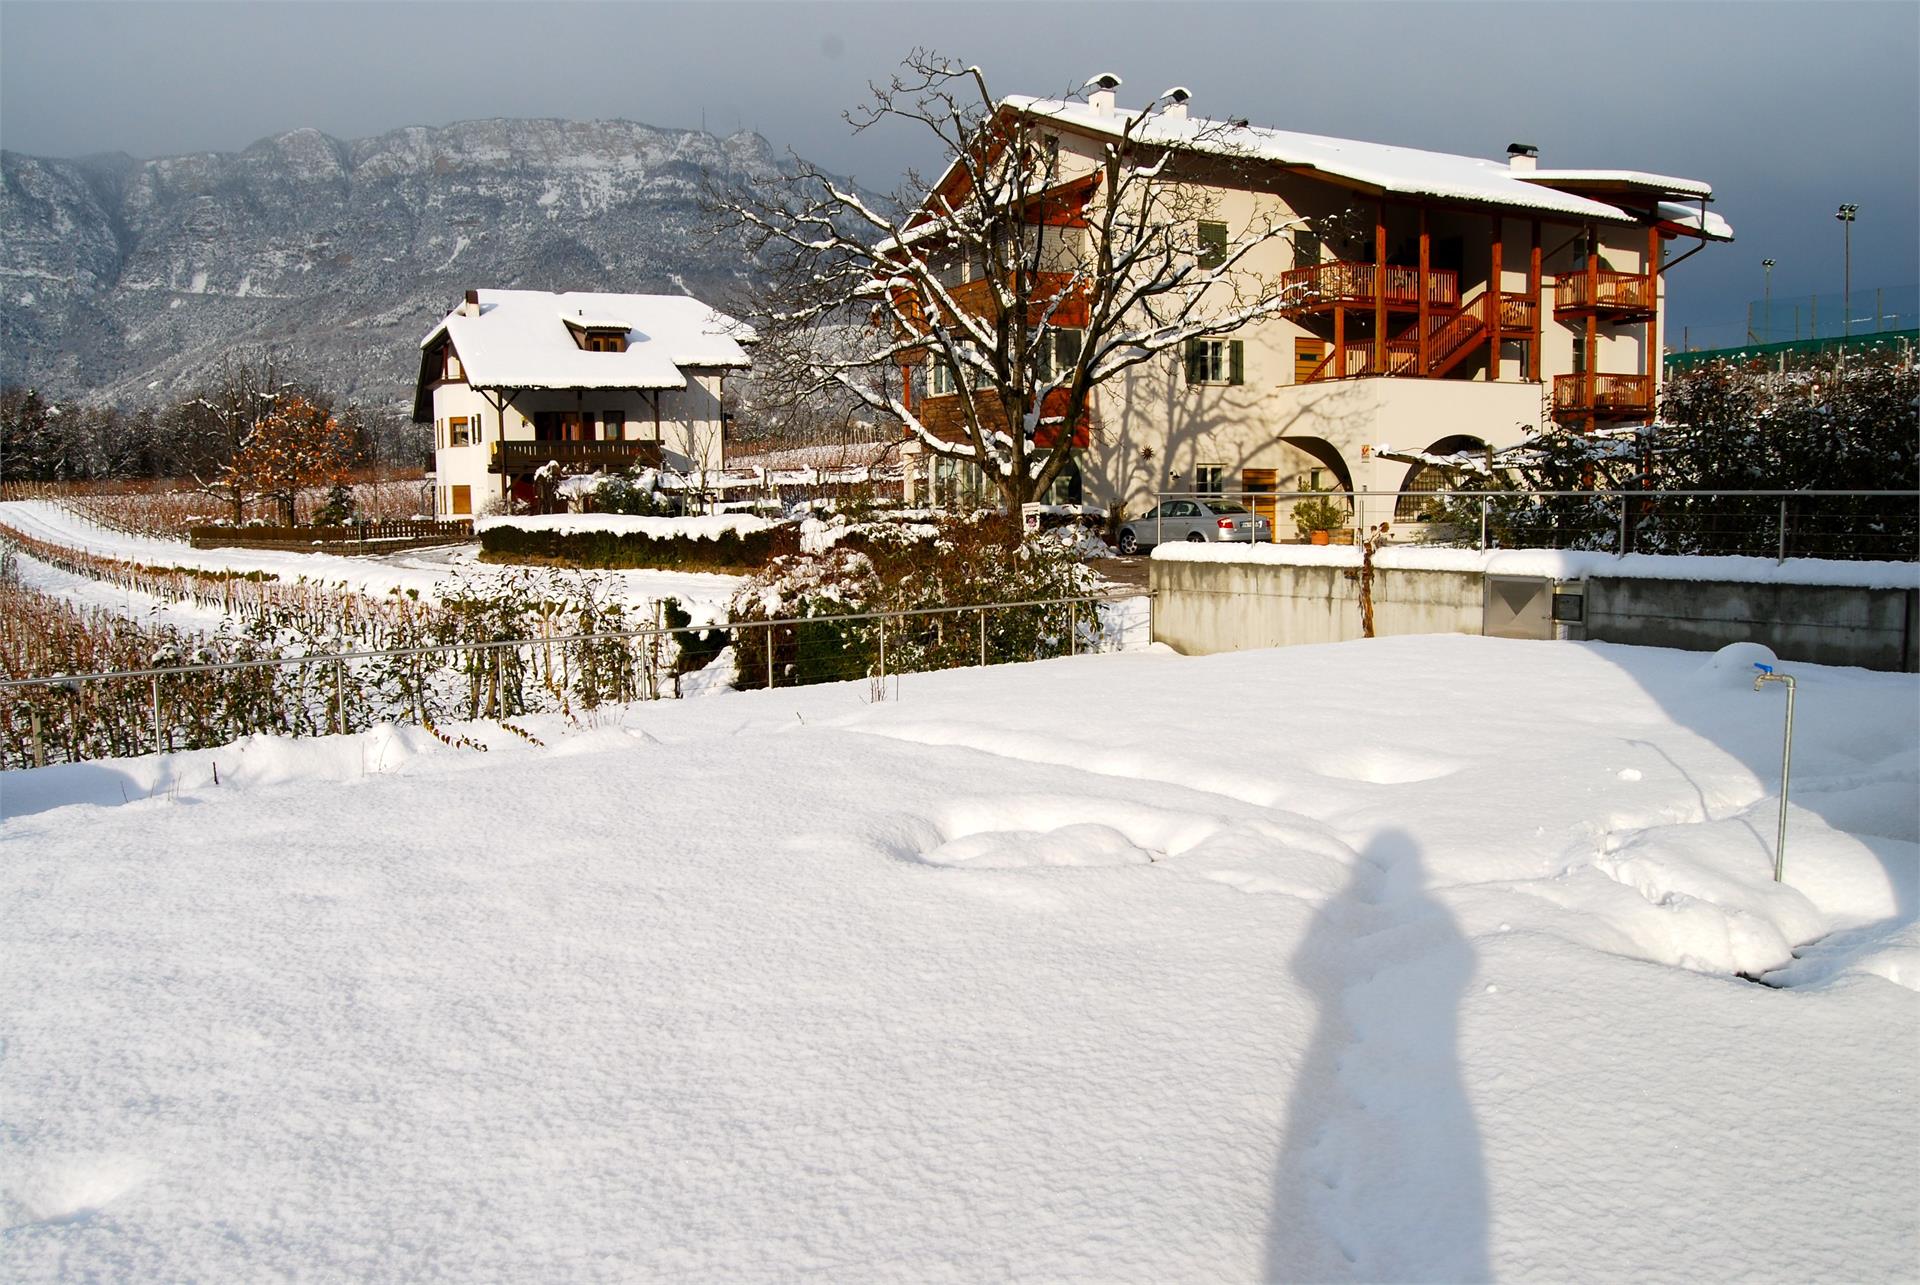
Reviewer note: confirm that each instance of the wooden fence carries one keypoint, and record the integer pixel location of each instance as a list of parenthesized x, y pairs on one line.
[(359, 537)]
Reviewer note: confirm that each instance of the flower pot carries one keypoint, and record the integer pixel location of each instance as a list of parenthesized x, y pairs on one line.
[(1318, 537)]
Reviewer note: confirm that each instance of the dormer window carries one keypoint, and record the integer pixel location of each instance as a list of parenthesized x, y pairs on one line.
[(597, 334)]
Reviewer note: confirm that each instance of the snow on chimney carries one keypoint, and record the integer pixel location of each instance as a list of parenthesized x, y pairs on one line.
[(1521, 157), (1176, 99), (470, 306), (1101, 97)]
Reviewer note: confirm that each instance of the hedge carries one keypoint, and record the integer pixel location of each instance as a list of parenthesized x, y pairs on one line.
[(729, 552)]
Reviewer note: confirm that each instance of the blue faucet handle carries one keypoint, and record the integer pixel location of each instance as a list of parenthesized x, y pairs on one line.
[(1765, 669)]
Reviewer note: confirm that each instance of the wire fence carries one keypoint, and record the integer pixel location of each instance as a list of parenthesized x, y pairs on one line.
[(209, 702), (1846, 525), (1866, 310)]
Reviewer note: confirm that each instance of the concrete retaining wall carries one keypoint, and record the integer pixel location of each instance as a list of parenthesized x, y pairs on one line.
[(1820, 624), (1203, 607)]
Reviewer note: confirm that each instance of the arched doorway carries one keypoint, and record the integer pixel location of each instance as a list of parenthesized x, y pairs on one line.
[(1425, 477)]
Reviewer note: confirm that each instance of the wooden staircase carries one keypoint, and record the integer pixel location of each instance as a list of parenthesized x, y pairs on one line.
[(1453, 335)]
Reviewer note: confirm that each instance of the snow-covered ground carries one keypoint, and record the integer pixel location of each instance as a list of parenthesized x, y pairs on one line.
[(1410, 959), (423, 570)]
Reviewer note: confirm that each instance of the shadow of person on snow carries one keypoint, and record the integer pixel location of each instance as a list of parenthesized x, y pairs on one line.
[(1380, 1175)]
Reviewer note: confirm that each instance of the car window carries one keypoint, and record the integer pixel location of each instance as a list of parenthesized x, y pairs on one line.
[(1225, 506), (1185, 509)]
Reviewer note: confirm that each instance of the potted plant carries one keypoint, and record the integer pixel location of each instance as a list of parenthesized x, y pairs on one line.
[(1317, 516)]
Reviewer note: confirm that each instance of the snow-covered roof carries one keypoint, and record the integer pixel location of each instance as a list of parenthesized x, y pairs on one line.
[(1401, 170), (521, 339), (1665, 184), (1690, 218)]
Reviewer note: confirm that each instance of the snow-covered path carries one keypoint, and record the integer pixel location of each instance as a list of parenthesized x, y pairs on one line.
[(1402, 960)]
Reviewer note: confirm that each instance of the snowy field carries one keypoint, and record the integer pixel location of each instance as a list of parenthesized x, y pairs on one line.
[(1412, 959), (424, 571)]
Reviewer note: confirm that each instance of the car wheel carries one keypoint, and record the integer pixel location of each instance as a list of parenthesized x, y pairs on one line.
[(1129, 543), (1194, 537)]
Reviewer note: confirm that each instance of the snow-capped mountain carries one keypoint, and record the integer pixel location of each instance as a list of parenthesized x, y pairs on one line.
[(126, 280)]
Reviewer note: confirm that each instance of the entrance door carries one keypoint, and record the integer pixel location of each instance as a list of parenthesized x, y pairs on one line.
[(1261, 483)]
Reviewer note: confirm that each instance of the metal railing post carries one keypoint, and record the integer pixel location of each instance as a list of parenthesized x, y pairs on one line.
[(1781, 555), (340, 694), (883, 649), (1073, 629), (158, 748), (1623, 524), (983, 635), (1484, 502), (769, 657)]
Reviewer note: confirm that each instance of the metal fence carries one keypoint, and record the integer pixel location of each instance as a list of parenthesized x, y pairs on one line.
[(211, 702), (1848, 525), (1866, 310)]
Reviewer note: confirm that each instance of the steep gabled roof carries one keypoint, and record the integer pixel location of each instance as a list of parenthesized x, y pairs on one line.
[(522, 340)]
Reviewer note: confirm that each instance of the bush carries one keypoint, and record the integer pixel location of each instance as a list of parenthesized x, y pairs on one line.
[(957, 563)]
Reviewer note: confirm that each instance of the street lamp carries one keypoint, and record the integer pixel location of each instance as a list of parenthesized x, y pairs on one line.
[(1767, 318), (1846, 299)]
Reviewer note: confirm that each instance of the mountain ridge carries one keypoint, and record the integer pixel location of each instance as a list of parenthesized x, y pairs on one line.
[(128, 280)]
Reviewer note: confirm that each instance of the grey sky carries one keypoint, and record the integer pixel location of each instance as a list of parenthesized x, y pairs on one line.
[(1787, 109)]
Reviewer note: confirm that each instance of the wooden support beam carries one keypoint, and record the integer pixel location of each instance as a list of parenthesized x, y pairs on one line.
[(1652, 268), (1339, 342), (1496, 267), (1426, 258), (1380, 286), (1539, 306), (1593, 321)]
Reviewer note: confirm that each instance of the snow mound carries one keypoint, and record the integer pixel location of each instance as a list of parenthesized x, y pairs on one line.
[(1733, 665)]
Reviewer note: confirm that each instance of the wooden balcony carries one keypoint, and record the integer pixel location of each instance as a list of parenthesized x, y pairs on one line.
[(525, 457), (1054, 300), (1356, 285), (1612, 396), (1619, 296)]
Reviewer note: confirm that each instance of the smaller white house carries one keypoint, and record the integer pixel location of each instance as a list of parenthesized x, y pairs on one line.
[(513, 380)]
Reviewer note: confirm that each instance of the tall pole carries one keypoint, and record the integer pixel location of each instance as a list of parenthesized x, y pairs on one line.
[(1766, 316), (1845, 215)]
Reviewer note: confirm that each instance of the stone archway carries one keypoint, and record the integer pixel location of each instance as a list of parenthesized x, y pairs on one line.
[(1423, 478)]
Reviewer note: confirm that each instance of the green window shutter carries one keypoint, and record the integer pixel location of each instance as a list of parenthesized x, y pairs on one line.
[(1239, 374), (1196, 361), (1213, 244)]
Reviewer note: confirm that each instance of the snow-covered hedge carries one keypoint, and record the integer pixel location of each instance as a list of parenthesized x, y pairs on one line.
[(725, 542)]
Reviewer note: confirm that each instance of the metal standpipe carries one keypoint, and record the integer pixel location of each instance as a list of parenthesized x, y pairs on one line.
[(1766, 675)]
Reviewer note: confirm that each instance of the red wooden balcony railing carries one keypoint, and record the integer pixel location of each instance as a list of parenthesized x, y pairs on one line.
[(1604, 292), (1323, 284), (1612, 395)]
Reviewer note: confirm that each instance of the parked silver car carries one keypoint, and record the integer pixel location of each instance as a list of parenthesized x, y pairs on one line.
[(1196, 520)]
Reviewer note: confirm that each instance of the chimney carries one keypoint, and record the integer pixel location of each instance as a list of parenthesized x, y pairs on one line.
[(1521, 156), (1100, 97), (470, 306), (1176, 99)]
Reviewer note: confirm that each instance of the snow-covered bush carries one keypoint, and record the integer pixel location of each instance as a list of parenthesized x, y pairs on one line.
[(956, 562)]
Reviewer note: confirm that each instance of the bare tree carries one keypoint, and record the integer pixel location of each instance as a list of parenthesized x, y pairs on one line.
[(1021, 281)]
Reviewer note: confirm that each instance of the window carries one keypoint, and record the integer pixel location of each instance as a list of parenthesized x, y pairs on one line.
[(449, 362), (1212, 242), (940, 381), (459, 431), (1215, 361), (1059, 352), (1306, 249), (604, 341), (1210, 479), (613, 425)]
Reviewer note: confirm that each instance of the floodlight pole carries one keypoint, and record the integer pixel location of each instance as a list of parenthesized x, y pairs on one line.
[(1845, 215), (1766, 316)]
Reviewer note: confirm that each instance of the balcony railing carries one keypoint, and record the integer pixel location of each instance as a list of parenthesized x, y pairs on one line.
[(1613, 395), (525, 457), (1324, 284), (1604, 292)]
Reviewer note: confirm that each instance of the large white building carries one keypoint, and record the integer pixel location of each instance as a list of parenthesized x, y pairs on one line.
[(1463, 303), (512, 380)]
